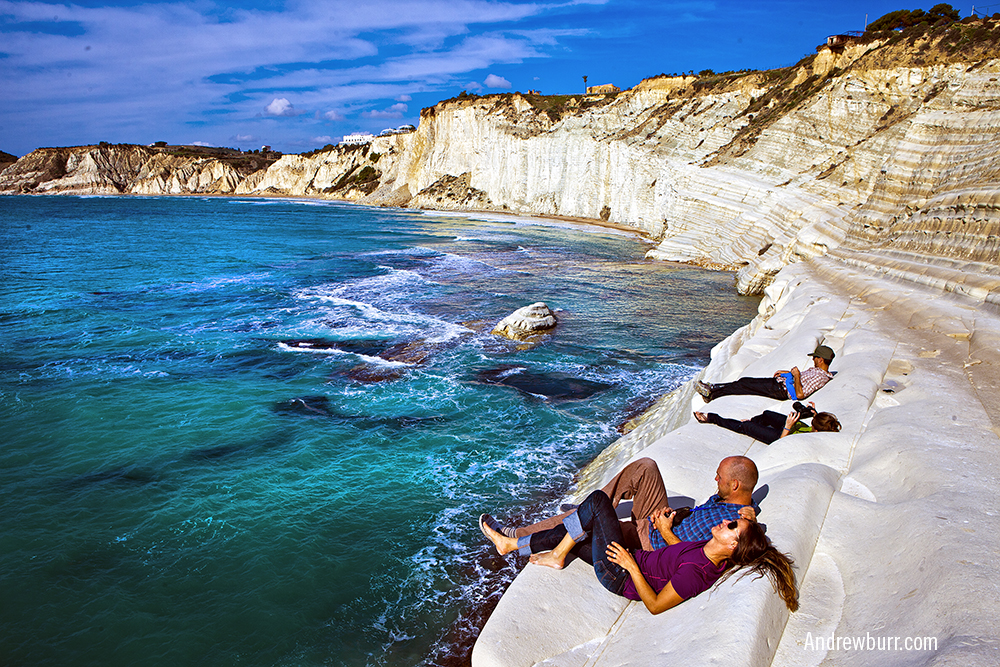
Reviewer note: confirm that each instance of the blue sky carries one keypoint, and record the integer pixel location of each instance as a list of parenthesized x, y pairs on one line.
[(300, 74)]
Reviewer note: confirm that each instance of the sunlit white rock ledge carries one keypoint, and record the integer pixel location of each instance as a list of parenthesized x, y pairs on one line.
[(892, 521)]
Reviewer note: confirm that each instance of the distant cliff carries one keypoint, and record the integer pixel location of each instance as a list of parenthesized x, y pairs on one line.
[(884, 153)]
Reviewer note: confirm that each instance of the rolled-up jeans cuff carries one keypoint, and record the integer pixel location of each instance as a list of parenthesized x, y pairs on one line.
[(524, 545), (574, 527)]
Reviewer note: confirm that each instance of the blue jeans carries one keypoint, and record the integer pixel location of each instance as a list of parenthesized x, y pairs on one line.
[(765, 427), (593, 526), (769, 387)]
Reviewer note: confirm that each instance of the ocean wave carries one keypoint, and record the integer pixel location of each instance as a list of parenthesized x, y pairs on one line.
[(393, 286), (217, 282), (415, 251)]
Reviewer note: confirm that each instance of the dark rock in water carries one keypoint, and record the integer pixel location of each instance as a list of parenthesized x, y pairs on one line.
[(409, 422), (304, 406), (276, 439), (218, 452), (371, 373), (559, 386), (369, 348), (121, 476), (414, 352)]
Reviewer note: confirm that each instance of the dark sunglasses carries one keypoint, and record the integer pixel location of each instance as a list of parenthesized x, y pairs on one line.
[(732, 525)]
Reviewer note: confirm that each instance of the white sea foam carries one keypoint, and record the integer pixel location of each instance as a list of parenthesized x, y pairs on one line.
[(284, 347)]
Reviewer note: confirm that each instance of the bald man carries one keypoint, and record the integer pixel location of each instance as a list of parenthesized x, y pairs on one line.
[(652, 522)]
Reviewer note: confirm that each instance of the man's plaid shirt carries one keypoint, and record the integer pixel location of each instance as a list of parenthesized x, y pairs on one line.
[(698, 525)]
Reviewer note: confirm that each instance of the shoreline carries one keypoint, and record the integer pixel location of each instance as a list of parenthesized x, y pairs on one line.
[(583, 222)]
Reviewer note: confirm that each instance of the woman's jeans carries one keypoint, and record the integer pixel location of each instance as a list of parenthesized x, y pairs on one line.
[(593, 526), (765, 427)]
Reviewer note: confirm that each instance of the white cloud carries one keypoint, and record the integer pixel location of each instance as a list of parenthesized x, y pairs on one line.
[(202, 143), (473, 85), (395, 111), (177, 63), (494, 81), (325, 139), (244, 138), (280, 106)]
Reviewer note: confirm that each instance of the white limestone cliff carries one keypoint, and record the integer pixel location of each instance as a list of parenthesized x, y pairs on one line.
[(746, 173)]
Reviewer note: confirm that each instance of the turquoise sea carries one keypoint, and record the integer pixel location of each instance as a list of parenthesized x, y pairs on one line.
[(259, 432)]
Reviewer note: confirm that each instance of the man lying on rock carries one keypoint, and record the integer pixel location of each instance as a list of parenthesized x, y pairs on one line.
[(769, 426), (649, 528), (782, 386), (664, 577)]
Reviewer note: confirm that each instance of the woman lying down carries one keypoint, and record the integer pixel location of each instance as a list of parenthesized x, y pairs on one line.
[(663, 578)]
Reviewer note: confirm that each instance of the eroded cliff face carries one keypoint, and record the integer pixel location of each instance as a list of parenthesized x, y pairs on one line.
[(885, 153), (889, 166), (868, 159), (117, 169)]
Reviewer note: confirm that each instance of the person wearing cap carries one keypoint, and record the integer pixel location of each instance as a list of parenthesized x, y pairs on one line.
[(792, 384)]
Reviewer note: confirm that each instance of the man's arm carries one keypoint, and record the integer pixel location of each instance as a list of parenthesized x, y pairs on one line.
[(797, 379)]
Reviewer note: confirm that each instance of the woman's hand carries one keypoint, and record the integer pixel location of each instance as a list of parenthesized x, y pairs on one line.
[(793, 417), (619, 555), (655, 602), (748, 513)]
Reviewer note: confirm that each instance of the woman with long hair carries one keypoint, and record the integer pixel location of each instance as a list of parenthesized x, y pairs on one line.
[(663, 578), (769, 426)]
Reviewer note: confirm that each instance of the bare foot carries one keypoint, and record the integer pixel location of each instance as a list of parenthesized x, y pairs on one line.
[(548, 559), (503, 543), (700, 416)]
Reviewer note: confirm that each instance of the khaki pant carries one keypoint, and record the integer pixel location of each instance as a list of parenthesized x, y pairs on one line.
[(640, 482)]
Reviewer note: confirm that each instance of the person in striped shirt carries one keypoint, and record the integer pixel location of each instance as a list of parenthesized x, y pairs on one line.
[(784, 385)]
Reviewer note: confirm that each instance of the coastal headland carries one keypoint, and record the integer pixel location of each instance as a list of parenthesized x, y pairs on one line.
[(859, 192)]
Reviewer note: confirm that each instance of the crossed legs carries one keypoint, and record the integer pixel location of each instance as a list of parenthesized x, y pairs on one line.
[(640, 482)]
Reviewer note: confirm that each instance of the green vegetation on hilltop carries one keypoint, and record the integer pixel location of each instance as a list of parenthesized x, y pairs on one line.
[(904, 18), (553, 106)]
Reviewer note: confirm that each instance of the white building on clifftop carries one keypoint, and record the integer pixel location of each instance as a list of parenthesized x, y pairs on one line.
[(357, 139)]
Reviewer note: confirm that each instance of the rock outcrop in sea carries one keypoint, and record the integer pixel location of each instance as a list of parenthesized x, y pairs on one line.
[(526, 322)]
